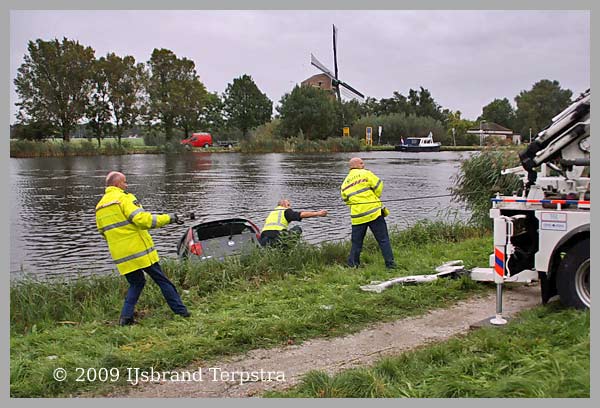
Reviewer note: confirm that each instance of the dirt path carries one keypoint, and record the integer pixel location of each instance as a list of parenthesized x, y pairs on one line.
[(333, 355)]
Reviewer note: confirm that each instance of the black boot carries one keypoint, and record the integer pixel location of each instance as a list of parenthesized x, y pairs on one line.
[(126, 321)]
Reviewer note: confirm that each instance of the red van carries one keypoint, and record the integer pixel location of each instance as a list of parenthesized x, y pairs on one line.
[(198, 140)]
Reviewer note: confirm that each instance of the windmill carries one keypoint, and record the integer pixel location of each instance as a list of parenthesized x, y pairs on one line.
[(335, 81)]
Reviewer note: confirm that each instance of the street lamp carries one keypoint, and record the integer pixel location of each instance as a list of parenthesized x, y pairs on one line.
[(481, 132), (530, 135)]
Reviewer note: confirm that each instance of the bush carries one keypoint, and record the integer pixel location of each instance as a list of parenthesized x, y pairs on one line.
[(497, 141), (22, 148), (479, 179), (399, 125), (173, 147), (300, 145), (267, 131), (88, 146), (112, 147), (154, 138), (267, 138)]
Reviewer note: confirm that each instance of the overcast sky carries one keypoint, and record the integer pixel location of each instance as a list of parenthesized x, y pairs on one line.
[(465, 58)]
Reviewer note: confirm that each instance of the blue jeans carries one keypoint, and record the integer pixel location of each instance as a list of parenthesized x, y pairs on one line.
[(137, 281), (379, 229)]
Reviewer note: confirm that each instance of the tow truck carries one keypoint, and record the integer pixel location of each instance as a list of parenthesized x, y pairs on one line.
[(542, 232)]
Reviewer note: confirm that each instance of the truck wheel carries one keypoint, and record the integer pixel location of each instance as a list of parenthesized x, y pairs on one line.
[(205, 145), (188, 147), (573, 280)]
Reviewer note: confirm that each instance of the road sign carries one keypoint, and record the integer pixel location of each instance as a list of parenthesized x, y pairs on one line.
[(369, 136)]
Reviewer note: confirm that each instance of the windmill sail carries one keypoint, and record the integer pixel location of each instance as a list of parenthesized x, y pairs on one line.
[(349, 88), (314, 61), (335, 64), (335, 81)]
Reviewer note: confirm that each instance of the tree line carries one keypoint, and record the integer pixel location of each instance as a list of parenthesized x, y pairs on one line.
[(61, 86)]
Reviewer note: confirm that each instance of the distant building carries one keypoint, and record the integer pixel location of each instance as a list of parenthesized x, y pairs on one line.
[(487, 129), (320, 81)]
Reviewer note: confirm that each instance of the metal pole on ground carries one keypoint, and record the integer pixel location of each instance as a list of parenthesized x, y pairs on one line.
[(498, 320)]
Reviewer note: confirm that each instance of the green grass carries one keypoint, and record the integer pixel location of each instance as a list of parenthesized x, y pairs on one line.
[(544, 353), (245, 303), (79, 147)]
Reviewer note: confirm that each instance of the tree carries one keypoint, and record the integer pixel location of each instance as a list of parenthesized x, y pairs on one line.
[(460, 126), (396, 104), (211, 116), (193, 99), (167, 73), (499, 111), (33, 130), (421, 103), (245, 106), (351, 110), (369, 107), (537, 107), (54, 83), (124, 82), (98, 110), (307, 109)]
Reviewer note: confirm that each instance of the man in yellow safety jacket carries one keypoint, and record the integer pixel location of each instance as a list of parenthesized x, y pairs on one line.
[(361, 191), (278, 220), (124, 224)]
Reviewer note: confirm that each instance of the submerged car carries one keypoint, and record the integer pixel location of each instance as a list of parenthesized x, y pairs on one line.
[(218, 239)]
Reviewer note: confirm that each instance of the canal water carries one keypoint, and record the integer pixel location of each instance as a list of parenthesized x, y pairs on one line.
[(52, 221)]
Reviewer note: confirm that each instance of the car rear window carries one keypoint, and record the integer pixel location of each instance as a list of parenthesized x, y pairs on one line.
[(225, 229)]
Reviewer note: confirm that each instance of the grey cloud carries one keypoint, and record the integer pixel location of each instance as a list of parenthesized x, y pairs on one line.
[(465, 58)]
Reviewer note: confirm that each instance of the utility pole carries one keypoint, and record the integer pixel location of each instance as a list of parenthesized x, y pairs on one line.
[(481, 132)]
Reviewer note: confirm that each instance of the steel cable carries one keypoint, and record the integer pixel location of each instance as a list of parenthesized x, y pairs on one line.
[(340, 205)]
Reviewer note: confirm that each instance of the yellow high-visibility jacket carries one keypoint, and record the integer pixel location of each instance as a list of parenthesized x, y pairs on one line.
[(276, 220), (124, 224), (361, 191)]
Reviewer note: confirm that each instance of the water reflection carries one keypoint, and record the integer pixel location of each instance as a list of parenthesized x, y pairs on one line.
[(52, 200)]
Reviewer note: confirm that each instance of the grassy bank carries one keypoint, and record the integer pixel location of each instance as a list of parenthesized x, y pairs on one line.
[(459, 148), (85, 147), (544, 353), (79, 147), (254, 301), (442, 148), (300, 145)]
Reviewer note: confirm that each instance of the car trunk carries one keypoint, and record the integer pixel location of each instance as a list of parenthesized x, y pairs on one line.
[(218, 239)]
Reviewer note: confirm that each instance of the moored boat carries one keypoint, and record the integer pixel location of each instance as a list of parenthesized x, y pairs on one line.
[(418, 144)]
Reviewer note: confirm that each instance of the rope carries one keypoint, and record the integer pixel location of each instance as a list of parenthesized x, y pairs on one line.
[(341, 205)]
